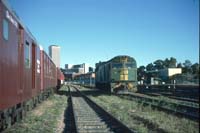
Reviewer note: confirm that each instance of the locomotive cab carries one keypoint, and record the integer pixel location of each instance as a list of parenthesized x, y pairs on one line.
[(123, 77), (117, 74)]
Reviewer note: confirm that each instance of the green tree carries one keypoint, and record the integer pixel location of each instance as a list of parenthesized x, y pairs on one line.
[(187, 66), (172, 62), (141, 72), (166, 63), (150, 67), (158, 64), (195, 68), (169, 63), (179, 65)]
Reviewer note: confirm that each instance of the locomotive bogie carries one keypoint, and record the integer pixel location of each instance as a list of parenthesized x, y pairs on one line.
[(123, 86)]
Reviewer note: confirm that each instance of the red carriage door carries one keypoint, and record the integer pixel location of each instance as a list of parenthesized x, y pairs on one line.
[(33, 65), (21, 61)]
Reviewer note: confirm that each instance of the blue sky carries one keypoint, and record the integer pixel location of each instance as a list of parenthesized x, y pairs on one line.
[(96, 30)]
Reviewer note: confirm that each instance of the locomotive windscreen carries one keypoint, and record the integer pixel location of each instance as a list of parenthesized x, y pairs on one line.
[(117, 65)]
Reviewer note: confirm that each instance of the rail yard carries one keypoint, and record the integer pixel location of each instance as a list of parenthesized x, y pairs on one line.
[(37, 95), (79, 109)]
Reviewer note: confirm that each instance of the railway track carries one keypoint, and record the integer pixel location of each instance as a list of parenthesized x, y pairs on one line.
[(172, 97), (168, 94), (184, 99), (91, 118), (180, 108), (178, 92), (170, 107)]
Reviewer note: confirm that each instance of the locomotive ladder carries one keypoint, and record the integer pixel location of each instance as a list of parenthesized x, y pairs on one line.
[(90, 118)]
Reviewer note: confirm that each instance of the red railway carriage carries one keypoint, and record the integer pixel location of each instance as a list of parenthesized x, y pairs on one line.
[(61, 77), (49, 72), (10, 90), (42, 68), (19, 57), (27, 73)]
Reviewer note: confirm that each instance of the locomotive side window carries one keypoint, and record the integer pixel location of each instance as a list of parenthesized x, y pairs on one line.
[(5, 29), (27, 55)]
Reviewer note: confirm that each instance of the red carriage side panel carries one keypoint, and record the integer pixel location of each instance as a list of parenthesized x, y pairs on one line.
[(35, 69), (45, 65), (58, 73), (44, 70), (21, 60), (24, 69), (54, 76), (38, 70), (49, 72), (60, 78), (41, 70), (10, 91), (27, 79)]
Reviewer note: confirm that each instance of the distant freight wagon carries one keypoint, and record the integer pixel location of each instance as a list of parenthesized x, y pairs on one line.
[(117, 74)]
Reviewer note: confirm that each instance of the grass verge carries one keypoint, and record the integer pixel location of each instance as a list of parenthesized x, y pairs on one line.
[(47, 117)]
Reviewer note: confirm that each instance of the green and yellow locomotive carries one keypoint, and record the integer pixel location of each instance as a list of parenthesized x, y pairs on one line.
[(117, 74)]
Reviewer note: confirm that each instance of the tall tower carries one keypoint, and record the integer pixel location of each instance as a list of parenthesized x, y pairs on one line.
[(54, 53)]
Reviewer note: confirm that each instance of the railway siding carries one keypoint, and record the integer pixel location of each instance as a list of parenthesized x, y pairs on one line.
[(158, 97), (177, 107), (188, 110), (89, 117), (143, 118), (184, 100)]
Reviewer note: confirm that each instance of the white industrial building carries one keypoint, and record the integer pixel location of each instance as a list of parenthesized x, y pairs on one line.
[(165, 73), (54, 53), (79, 68), (158, 76)]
